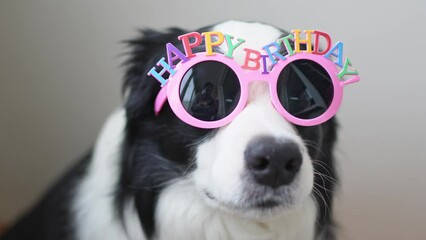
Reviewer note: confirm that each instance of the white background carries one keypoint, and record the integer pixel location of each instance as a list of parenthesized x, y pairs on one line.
[(60, 77)]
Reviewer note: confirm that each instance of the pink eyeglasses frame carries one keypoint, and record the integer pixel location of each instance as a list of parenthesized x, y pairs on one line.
[(170, 92)]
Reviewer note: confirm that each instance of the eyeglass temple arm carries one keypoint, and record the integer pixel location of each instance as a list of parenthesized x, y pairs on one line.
[(160, 100)]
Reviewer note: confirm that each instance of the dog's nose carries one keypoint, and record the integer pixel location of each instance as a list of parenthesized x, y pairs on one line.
[(272, 162)]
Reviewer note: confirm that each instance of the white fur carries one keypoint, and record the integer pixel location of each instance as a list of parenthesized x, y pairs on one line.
[(95, 214), (182, 212), (220, 164), (220, 161), (183, 215)]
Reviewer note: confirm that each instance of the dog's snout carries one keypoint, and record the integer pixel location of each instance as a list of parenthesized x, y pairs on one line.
[(272, 162)]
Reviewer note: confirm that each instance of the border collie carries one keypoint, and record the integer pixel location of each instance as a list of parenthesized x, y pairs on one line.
[(155, 177)]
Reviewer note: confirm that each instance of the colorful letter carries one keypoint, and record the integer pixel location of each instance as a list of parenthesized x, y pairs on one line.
[(171, 49), (298, 41), (209, 43), (159, 76), (319, 34), (339, 47), (345, 69), (287, 43), (232, 47), (274, 53), (265, 65), (187, 45), (249, 59)]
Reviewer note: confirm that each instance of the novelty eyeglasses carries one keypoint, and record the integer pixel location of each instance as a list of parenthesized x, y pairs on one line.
[(209, 91)]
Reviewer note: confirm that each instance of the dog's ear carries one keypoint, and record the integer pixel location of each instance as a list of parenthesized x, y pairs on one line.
[(139, 88)]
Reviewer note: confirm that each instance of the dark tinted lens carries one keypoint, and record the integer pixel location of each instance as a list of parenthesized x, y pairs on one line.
[(305, 89), (210, 91)]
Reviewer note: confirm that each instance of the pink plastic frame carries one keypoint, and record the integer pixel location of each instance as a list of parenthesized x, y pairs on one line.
[(170, 92)]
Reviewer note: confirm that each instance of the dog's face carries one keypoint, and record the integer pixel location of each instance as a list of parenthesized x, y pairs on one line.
[(258, 166)]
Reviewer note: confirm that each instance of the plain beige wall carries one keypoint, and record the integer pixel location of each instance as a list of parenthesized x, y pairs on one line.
[(60, 77)]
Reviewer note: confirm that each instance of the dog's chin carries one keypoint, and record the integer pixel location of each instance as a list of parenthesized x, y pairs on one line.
[(250, 207)]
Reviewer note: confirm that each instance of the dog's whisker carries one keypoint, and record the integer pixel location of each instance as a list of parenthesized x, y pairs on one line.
[(322, 179), (327, 209), (324, 188), (329, 178), (321, 164)]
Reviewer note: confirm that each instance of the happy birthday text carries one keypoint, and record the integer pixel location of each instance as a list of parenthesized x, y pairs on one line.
[(254, 58)]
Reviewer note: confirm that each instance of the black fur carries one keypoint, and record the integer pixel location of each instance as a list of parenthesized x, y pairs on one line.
[(157, 150)]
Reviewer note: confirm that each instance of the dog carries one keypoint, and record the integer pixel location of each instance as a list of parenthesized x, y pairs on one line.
[(152, 176)]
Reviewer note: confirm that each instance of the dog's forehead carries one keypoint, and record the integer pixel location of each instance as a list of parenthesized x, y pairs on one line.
[(256, 35)]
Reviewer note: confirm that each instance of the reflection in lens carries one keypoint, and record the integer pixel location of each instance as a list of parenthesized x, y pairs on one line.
[(210, 91), (305, 89)]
